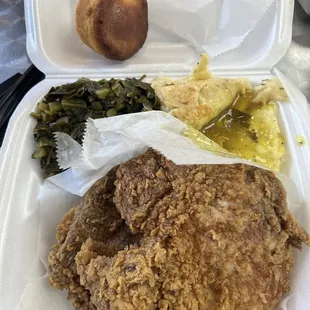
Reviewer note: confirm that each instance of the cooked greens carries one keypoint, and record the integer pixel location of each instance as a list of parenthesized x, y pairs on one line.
[(66, 108)]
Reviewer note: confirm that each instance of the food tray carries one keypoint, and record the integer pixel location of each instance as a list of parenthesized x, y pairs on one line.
[(54, 48)]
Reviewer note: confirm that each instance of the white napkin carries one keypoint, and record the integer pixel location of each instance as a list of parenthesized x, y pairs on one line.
[(110, 141), (212, 26)]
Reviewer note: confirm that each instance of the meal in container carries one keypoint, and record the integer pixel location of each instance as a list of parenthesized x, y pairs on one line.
[(155, 235)]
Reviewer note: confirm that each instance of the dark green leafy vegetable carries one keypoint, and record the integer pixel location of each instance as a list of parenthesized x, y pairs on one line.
[(242, 118), (253, 135), (237, 116), (40, 152), (66, 108), (230, 115)]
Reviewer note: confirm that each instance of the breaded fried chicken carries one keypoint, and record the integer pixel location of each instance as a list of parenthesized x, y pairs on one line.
[(215, 237), (96, 217)]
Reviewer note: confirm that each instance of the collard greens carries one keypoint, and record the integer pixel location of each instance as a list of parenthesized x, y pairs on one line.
[(66, 108)]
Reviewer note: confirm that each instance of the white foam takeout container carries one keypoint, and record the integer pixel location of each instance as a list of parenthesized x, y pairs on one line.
[(305, 5), (55, 48)]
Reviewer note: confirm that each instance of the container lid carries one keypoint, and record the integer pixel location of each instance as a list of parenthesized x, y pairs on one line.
[(55, 48)]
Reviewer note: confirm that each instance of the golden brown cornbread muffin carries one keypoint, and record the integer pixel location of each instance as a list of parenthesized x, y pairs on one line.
[(116, 29)]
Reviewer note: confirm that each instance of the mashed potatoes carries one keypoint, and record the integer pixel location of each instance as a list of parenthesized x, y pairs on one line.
[(197, 102), (239, 118), (252, 134)]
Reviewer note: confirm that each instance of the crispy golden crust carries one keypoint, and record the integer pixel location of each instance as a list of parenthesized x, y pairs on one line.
[(116, 29), (95, 217), (215, 237)]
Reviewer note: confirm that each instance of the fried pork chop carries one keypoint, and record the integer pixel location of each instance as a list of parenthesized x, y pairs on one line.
[(213, 237), (95, 217)]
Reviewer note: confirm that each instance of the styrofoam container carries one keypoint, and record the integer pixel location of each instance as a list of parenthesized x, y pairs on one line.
[(55, 48), (305, 5)]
